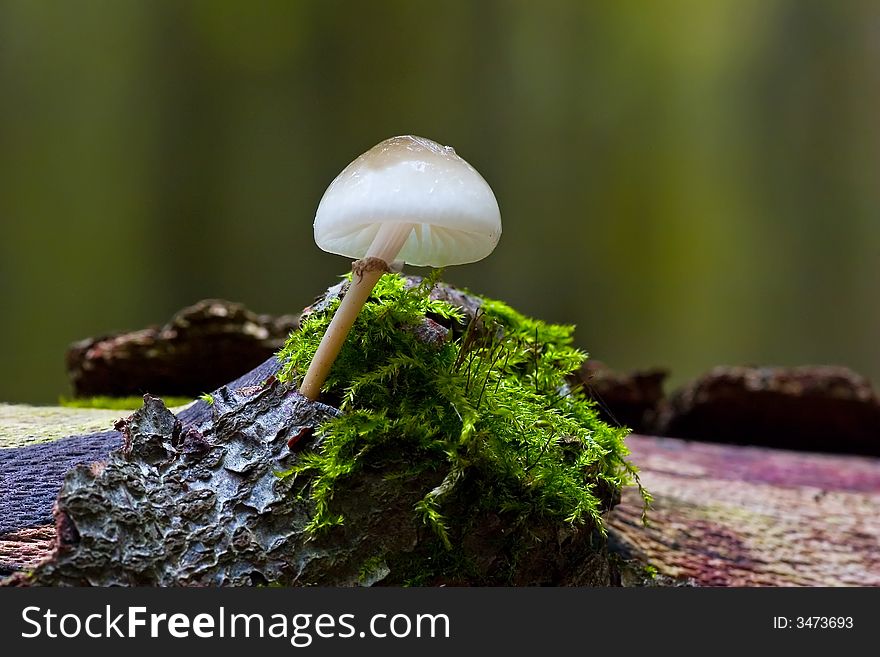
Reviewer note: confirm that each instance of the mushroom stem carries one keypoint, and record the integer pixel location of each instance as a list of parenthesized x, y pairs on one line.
[(366, 273)]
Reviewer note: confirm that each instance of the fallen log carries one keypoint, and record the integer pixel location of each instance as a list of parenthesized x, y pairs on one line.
[(202, 498), (723, 514)]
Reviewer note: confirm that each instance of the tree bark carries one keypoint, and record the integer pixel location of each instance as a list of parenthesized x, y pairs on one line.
[(201, 348)]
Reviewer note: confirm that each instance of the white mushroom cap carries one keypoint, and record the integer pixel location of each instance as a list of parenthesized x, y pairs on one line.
[(411, 180)]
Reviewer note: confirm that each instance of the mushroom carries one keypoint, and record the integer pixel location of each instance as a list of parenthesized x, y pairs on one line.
[(407, 198)]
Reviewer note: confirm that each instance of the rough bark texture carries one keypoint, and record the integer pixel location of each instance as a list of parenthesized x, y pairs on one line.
[(202, 504), (176, 506), (201, 348), (33, 461), (823, 409)]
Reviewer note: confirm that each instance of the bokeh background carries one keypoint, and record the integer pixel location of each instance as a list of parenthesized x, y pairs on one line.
[(691, 182)]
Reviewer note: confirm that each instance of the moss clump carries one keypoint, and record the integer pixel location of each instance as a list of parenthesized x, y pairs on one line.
[(489, 410)]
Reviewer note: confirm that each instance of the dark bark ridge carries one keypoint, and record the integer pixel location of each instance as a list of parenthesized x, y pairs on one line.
[(179, 506), (810, 408), (201, 348)]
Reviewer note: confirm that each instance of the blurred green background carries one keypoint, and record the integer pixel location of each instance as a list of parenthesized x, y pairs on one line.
[(692, 182)]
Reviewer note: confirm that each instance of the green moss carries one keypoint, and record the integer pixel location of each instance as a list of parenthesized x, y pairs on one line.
[(491, 408), (22, 425), (372, 570), (117, 403)]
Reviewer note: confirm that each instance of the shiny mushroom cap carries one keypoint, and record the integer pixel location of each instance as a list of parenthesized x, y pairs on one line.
[(410, 180)]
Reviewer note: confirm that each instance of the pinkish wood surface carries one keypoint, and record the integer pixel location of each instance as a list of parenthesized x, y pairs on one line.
[(749, 516), (723, 516)]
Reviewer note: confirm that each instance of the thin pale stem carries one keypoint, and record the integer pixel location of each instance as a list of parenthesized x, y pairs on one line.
[(385, 247)]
